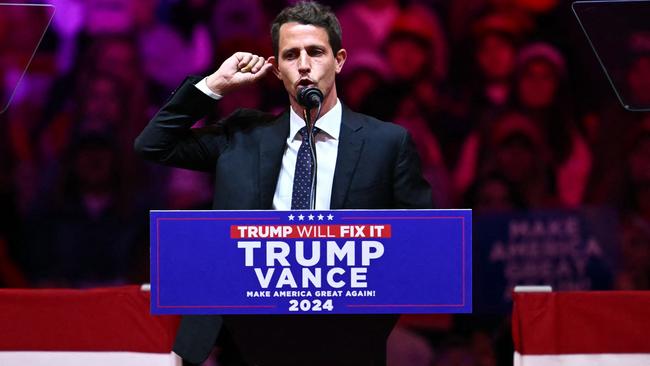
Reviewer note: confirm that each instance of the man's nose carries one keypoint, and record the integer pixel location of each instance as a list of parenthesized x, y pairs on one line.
[(304, 63)]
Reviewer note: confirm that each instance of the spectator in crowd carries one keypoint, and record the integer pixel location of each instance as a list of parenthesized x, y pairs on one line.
[(102, 105), (493, 193), (512, 146), (635, 230), (611, 130), (638, 70), (463, 12), (364, 73), (99, 107), (119, 56), (482, 348), (116, 56), (367, 23), (410, 116), (541, 91), (406, 347), (495, 56), (171, 50), (188, 190), (103, 17), (239, 19), (455, 351), (521, 156), (86, 235), (109, 96), (411, 96), (637, 202), (485, 70)]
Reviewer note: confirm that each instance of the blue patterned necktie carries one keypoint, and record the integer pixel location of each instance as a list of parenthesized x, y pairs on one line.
[(302, 175)]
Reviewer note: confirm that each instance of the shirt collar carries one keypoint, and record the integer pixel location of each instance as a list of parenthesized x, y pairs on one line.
[(330, 122)]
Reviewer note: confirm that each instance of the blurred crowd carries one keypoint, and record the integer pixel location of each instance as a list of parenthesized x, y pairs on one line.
[(505, 100)]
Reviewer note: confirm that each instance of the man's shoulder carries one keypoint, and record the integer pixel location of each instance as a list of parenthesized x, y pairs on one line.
[(246, 119), (375, 126), (245, 114)]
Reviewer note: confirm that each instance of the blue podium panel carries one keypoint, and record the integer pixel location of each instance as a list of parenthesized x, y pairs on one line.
[(297, 262)]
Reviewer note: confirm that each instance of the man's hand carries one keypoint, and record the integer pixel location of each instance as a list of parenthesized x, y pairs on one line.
[(239, 69)]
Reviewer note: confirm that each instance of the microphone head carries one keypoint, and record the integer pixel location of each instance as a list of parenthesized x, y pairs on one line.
[(309, 97)]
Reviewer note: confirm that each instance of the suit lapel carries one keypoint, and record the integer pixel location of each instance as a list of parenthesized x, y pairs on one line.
[(350, 144), (272, 144)]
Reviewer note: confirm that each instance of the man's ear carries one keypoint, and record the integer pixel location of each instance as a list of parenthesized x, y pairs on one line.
[(276, 70), (340, 57)]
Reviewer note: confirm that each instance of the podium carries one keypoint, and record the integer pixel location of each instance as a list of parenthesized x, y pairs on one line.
[(306, 288)]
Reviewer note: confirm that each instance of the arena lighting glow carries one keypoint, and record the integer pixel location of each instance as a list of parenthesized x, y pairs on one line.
[(22, 27)]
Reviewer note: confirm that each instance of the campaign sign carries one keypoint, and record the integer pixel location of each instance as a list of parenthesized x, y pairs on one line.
[(570, 250), (292, 262)]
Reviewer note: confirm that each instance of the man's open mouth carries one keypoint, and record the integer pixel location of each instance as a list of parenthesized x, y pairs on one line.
[(305, 83)]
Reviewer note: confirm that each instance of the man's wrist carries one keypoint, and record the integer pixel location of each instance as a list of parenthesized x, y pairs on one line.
[(202, 85)]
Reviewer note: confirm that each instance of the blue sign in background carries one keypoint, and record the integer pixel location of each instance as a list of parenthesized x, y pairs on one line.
[(567, 249), (197, 268)]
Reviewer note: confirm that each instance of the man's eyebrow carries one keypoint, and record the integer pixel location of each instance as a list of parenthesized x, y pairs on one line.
[(308, 48)]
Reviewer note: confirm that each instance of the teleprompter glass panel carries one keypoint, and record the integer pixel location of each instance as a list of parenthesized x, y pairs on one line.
[(22, 27), (619, 33)]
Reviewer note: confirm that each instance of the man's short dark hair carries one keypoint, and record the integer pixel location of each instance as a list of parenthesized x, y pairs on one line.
[(312, 13)]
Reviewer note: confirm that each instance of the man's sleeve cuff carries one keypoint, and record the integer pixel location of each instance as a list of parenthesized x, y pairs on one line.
[(203, 86)]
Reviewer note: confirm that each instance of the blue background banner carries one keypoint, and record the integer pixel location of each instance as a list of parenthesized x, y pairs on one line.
[(285, 262), (567, 249)]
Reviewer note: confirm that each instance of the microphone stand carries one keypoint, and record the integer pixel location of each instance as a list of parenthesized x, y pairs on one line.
[(312, 148)]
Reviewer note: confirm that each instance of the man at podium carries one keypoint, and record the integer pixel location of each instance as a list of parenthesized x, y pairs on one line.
[(265, 162)]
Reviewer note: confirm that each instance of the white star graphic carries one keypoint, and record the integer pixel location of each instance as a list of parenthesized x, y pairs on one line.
[(301, 217), (330, 217), (320, 217), (311, 217), (291, 217)]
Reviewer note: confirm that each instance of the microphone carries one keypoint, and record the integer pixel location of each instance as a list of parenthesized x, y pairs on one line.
[(309, 97)]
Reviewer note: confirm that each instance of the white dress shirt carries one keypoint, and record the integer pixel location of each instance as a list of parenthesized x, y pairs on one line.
[(327, 144), (203, 86)]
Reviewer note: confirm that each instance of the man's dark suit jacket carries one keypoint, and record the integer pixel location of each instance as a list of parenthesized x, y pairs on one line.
[(376, 168)]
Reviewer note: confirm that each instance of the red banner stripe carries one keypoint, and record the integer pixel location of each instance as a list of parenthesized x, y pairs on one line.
[(110, 319), (581, 322)]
